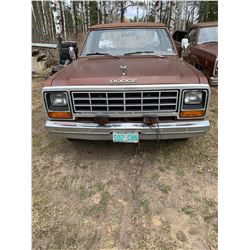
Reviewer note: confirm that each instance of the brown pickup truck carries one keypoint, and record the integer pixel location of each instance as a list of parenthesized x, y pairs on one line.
[(201, 49), (128, 84)]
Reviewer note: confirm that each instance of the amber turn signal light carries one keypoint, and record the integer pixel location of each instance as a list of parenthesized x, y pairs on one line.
[(192, 113), (60, 115)]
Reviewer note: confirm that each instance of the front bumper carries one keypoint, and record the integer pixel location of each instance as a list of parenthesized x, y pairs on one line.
[(213, 80), (94, 131)]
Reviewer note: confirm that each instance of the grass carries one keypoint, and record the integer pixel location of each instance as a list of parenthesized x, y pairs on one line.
[(35, 142), (163, 168), (83, 166), (180, 172), (91, 240), (208, 218), (188, 210), (85, 193), (210, 212), (102, 206), (165, 189), (72, 241), (166, 226), (155, 176), (211, 203), (100, 186), (80, 165), (144, 203)]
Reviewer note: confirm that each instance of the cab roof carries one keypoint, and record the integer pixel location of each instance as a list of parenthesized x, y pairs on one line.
[(207, 24), (128, 25)]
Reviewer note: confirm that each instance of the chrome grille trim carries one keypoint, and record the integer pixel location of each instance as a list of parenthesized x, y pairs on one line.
[(113, 101)]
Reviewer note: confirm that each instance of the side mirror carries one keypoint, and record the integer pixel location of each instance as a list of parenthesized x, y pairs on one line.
[(72, 54), (184, 43)]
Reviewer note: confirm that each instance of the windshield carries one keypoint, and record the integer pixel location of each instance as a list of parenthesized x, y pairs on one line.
[(129, 41), (209, 34)]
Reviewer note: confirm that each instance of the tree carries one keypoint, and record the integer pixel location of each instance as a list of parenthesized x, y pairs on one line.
[(57, 19), (208, 11), (62, 12), (73, 15), (39, 20), (50, 21), (51, 18), (123, 7), (44, 19), (84, 21), (158, 11), (103, 11), (170, 13)]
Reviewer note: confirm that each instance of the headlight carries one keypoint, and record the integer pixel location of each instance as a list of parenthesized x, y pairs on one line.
[(58, 99), (57, 105), (193, 97), (194, 103)]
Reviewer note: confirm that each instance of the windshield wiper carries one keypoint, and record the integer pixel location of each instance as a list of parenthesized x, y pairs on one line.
[(101, 54), (138, 52), (142, 52), (210, 42)]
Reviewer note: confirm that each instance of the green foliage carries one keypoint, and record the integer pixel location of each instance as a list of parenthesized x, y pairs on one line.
[(188, 210), (93, 10), (165, 189), (208, 11), (144, 203), (163, 168)]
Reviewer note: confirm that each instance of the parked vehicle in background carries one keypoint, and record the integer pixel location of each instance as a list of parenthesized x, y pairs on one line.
[(200, 49), (178, 36), (128, 84)]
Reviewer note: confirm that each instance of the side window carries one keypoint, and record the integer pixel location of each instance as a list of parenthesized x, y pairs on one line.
[(192, 36)]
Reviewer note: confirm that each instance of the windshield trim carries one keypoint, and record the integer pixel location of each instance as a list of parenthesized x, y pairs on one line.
[(166, 30)]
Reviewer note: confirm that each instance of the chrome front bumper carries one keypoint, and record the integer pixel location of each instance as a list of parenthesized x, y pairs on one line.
[(213, 80), (93, 131)]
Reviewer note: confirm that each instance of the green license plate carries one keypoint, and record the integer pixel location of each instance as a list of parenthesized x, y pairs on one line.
[(129, 137)]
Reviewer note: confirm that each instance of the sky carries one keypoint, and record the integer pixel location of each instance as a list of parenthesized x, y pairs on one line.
[(132, 12)]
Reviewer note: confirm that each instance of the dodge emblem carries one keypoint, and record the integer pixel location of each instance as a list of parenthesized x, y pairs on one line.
[(124, 70), (123, 81)]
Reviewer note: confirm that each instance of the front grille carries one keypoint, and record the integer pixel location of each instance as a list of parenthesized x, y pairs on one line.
[(125, 101)]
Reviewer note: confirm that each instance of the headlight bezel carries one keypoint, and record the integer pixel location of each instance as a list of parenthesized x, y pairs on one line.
[(54, 108), (200, 106)]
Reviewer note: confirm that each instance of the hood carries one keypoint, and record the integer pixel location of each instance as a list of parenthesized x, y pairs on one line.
[(210, 48), (145, 69)]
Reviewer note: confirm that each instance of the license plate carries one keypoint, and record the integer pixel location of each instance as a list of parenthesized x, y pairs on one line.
[(129, 137)]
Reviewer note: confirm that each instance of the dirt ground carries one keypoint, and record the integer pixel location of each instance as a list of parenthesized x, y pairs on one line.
[(102, 195)]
